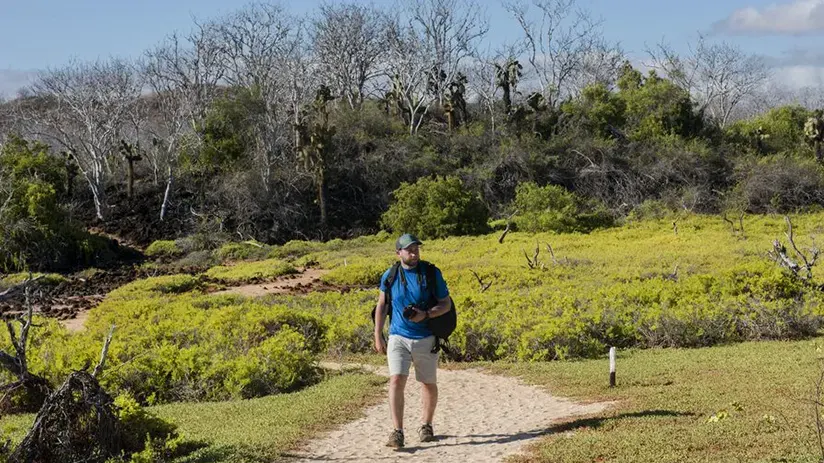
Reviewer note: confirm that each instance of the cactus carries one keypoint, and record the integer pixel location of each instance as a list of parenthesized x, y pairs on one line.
[(131, 153), (507, 77), (814, 132)]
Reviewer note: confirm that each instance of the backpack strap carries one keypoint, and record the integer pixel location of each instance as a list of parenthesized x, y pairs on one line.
[(431, 280), (387, 289), (431, 284)]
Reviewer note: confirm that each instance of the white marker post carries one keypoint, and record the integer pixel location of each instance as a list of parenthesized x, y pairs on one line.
[(612, 367)]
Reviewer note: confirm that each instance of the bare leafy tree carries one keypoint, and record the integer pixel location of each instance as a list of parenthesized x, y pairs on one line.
[(483, 83), (450, 31), (259, 43), (408, 68), (86, 107), (303, 79), (348, 41), (719, 76), (562, 44), (183, 74), (602, 65)]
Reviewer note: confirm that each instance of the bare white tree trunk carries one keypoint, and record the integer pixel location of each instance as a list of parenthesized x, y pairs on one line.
[(184, 76), (92, 104), (166, 194)]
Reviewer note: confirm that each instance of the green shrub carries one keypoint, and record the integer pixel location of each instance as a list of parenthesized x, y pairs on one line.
[(201, 241), (651, 209), (48, 279), (163, 248), (247, 250), (294, 249), (358, 271), (250, 271), (436, 208), (553, 208), (140, 425), (187, 347), (36, 231), (166, 284)]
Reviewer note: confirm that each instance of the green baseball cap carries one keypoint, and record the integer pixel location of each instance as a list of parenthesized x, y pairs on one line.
[(406, 240)]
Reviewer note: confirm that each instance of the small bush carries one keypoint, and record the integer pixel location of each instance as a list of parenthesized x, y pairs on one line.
[(251, 271), (203, 241), (651, 209), (777, 184), (294, 249), (198, 261), (139, 425), (248, 250), (436, 208), (166, 284), (48, 279), (163, 248), (553, 208), (358, 271)]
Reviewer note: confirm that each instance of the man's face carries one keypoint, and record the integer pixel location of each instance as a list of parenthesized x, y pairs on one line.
[(410, 255)]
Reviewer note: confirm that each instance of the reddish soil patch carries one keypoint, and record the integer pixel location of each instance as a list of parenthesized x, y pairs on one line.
[(300, 283), (69, 298), (71, 301)]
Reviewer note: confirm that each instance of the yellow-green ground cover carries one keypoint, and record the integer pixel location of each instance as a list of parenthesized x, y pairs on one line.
[(642, 285)]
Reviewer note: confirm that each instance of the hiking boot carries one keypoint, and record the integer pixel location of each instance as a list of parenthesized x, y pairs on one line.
[(395, 439), (426, 433)]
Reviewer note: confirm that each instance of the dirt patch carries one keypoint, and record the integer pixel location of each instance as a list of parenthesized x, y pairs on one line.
[(306, 281), (76, 295), (480, 418), (73, 311)]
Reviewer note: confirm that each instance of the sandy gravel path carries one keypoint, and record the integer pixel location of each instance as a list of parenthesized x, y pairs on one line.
[(480, 418)]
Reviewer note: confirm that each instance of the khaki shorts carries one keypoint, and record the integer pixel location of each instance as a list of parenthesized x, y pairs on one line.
[(402, 352)]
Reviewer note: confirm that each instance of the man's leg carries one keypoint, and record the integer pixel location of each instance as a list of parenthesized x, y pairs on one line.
[(399, 358), (430, 401), (397, 383), (426, 372)]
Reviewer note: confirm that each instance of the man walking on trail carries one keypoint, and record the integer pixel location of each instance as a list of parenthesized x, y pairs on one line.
[(410, 341)]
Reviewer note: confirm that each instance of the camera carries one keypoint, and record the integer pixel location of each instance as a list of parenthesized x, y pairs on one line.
[(409, 311)]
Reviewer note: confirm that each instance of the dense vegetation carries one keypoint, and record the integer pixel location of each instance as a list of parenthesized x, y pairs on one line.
[(318, 153), (682, 281)]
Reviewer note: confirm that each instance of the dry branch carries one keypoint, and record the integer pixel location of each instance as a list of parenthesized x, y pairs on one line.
[(76, 423), (779, 254), (484, 286), (534, 263), (508, 225)]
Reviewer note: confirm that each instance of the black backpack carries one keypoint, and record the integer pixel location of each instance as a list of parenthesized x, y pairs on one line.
[(442, 326)]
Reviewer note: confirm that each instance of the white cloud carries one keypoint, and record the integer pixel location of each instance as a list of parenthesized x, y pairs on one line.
[(797, 17)]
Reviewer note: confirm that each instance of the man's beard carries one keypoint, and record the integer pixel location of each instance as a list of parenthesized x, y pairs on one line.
[(410, 261)]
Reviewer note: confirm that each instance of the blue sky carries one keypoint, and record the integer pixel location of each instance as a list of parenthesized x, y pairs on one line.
[(36, 34)]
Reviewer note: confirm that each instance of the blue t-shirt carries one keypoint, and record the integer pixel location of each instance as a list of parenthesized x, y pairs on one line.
[(414, 292)]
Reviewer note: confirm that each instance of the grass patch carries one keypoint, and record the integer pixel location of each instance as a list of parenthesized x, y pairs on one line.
[(256, 430), (49, 279), (245, 272), (360, 271), (744, 402)]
